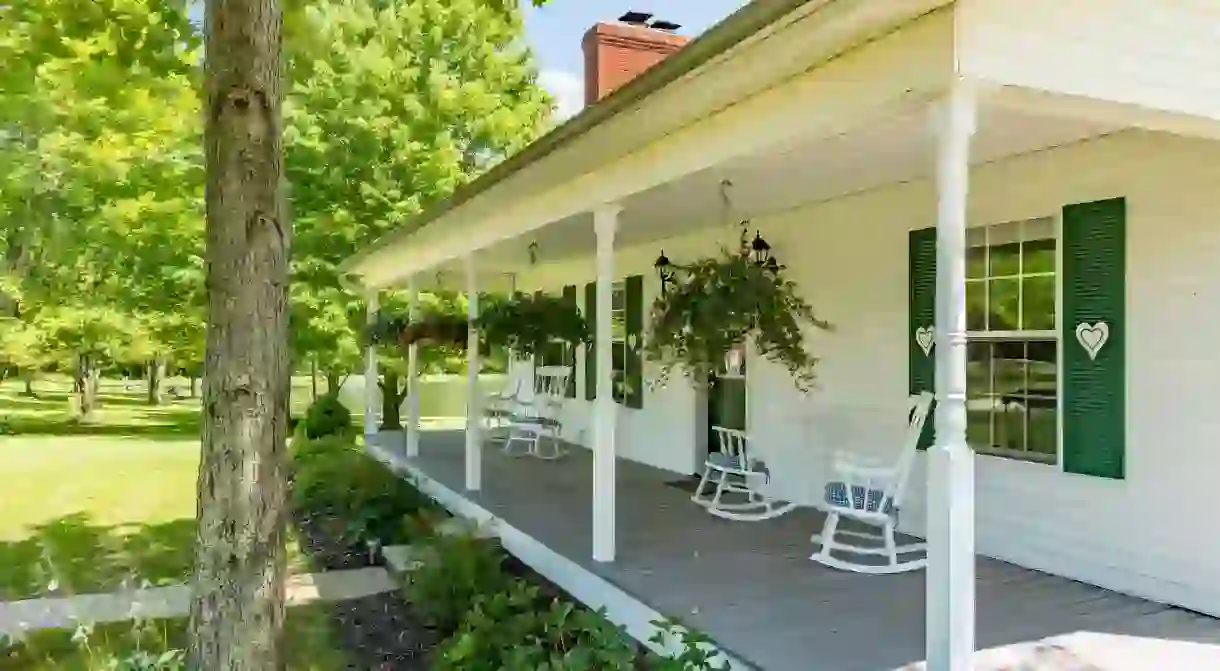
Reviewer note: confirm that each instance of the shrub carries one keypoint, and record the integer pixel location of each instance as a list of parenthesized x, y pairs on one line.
[(696, 651), (327, 417), (333, 478), (517, 630), (455, 570)]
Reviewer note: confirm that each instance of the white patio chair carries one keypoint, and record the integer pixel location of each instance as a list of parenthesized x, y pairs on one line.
[(872, 495), (737, 474), (498, 409), (539, 417)]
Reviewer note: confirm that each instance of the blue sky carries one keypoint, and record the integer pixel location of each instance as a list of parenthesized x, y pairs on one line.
[(554, 32)]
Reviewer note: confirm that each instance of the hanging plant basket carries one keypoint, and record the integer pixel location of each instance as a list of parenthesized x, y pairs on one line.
[(523, 323), (700, 326), (527, 323)]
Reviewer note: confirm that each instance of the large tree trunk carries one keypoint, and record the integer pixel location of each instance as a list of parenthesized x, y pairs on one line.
[(156, 373), (27, 377), (237, 613), (391, 401), (194, 386), (332, 382)]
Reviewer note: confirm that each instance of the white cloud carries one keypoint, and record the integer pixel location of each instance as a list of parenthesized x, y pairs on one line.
[(568, 90)]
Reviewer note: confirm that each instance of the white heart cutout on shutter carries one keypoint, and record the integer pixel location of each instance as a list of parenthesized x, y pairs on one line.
[(1092, 337), (925, 337)]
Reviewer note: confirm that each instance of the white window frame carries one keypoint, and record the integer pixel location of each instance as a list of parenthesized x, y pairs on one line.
[(1053, 335)]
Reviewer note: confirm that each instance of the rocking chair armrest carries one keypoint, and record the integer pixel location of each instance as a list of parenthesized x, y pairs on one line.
[(861, 473)]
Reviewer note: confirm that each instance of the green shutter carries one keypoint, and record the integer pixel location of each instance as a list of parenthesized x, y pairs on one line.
[(921, 310), (591, 346), (569, 349), (1094, 291), (634, 359)]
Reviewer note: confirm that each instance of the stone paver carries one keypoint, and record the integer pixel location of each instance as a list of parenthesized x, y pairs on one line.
[(174, 601)]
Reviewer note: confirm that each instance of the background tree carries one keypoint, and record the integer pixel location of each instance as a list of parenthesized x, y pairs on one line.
[(392, 105)]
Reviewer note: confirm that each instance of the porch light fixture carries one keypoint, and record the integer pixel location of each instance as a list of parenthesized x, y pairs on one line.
[(760, 251), (665, 271)]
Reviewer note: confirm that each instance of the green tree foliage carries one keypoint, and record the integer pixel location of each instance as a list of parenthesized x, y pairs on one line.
[(392, 105), (101, 205)]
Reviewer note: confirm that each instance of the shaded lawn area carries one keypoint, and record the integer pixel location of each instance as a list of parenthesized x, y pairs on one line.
[(311, 643), (89, 507)]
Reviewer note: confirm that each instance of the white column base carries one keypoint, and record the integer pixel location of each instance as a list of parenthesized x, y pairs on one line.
[(951, 558)]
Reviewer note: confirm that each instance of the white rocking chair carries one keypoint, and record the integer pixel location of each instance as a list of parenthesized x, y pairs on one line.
[(539, 417), (872, 495), (498, 409), (736, 473)]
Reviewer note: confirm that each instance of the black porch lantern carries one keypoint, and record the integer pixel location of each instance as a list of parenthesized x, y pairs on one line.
[(761, 252), (664, 270)]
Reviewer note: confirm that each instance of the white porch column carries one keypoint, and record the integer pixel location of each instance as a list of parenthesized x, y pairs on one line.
[(950, 580), (605, 411), (474, 439), (370, 372), (412, 375)]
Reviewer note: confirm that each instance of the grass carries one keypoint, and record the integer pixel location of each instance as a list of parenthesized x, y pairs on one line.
[(89, 506), (310, 645)]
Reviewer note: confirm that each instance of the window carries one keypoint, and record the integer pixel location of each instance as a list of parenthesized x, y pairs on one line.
[(618, 339), (1013, 351)]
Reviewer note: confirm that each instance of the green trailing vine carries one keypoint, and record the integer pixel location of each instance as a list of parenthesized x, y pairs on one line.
[(724, 301), (522, 323), (527, 323)]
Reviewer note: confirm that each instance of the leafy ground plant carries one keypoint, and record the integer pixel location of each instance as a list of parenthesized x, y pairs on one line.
[(455, 571), (696, 649), (517, 629)]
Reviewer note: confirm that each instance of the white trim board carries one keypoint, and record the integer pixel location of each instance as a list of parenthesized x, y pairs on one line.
[(594, 591)]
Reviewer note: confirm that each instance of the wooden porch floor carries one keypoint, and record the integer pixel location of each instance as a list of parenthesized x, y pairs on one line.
[(752, 587)]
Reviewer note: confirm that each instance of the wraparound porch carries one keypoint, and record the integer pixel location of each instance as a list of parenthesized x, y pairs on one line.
[(752, 587)]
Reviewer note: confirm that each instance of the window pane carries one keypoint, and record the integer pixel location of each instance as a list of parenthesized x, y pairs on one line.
[(976, 261), (1010, 367), (1040, 256), (976, 306), (618, 297), (618, 356), (1038, 303), (1005, 259), (978, 394), (1042, 411), (1003, 306)]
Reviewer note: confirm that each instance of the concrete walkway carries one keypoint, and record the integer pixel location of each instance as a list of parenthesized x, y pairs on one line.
[(174, 601)]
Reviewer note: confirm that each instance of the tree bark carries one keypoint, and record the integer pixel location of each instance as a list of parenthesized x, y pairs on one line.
[(156, 373), (332, 382), (194, 386), (313, 378), (84, 386), (391, 401), (27, 377), (237, 611)]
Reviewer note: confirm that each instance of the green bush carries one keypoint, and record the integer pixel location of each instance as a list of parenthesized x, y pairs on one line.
[(327, 417), (518, 630), (364, 499), (697, 653), (455, 570)]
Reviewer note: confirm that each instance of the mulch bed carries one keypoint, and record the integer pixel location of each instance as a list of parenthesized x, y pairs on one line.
[(379, 632)]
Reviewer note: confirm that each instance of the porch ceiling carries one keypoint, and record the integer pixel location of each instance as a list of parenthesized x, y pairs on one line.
[(898, 148)]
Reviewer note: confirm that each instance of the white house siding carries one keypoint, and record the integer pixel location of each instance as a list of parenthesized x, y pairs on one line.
[(1154, 534), (1160, 54)]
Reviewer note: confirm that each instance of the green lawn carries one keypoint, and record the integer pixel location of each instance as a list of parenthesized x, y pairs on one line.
[(311, 645), (89, 506)]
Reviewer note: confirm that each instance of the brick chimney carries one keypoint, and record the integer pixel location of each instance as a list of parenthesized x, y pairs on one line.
[(618, 51)]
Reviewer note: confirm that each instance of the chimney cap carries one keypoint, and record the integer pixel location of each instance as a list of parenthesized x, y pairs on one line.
[(633, 16), (669, 26)]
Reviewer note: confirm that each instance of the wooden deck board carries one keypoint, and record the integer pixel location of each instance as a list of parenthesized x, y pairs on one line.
[(752, 586)]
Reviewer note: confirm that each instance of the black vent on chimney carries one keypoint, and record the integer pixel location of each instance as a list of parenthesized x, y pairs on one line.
[(640, 18), (668, 26)]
